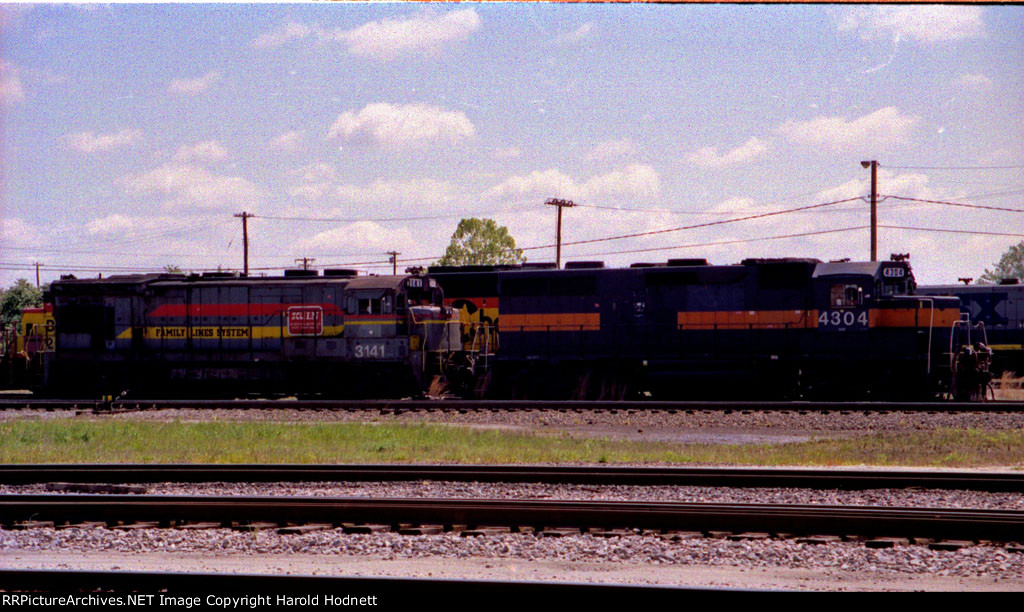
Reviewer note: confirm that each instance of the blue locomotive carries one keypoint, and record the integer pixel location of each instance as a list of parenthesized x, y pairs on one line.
[(785, 328), (1000, 310)]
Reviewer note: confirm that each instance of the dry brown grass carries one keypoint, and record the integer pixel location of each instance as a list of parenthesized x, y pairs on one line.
[(438, 387), (1009, 387)]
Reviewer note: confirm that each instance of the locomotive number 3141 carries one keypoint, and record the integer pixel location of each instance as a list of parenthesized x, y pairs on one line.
[(364, 351), (840, 318)]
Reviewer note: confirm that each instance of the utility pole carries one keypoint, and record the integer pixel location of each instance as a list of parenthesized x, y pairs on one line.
[(36, 264), (558, 243), (873, 164), (244, 216), (394, 262), (305, 261)]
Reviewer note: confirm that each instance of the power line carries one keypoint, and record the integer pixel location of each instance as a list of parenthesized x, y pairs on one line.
[(951, 231), (1017, 210), (953, 167), (993, 194), (660, 210), (698, 225), (698, 212), (721, 242), (702, 244), (648, 233)]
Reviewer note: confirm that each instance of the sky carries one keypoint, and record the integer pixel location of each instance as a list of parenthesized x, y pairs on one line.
[(131, 135)]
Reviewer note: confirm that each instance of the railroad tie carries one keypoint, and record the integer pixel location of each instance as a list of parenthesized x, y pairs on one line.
[(301, 529)]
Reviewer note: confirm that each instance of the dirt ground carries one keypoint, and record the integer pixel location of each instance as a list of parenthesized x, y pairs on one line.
[(474, 568)]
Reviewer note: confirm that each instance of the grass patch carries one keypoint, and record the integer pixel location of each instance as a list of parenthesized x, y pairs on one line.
[(1008, 387), (60, 441)]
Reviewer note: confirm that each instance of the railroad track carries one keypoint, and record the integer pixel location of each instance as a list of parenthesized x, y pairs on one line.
[(489, 516), (21, 474), (410, 405)]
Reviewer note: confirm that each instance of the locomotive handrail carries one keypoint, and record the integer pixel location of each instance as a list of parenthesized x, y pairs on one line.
[(931, 324), (965, 322)]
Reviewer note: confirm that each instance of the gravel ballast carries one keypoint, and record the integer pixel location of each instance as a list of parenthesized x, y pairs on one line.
[(994, 563), (918, 498)]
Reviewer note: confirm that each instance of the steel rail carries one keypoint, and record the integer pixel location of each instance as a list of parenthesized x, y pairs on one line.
[(940, 523), (20, 474), (506, 405), (387, 591)]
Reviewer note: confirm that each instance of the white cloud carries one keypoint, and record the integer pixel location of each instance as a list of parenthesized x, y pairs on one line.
[(422, 192), (280, 36), (112, 224), (508, 153), (11, 90), (289, 142), (90, 142), (191, 87), (310, 191), (315, 172), (543, 183), (362, 236), (418, 194), (117, 224), (16, 232), (886, 126), (578, 35), (388, 38), (395, 124), (907, 184), (207, 151), (708, 157), (927, 24), (612, 149), (632, 181), (976, 82), (193, 186)]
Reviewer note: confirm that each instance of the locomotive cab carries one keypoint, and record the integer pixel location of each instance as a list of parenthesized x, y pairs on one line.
[(432, 325), (894, 344), (399, 319)]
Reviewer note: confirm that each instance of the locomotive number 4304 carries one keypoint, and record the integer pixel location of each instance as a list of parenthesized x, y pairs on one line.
[(843, 318)]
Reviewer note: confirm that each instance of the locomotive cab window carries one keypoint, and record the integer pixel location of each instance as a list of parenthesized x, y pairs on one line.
[(844, 295), (423, 292), (368, 304), (891, 288)]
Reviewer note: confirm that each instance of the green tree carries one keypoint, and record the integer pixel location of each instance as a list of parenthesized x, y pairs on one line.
[(173, 269), (1011, 265), (481, 241), (22, 294)]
